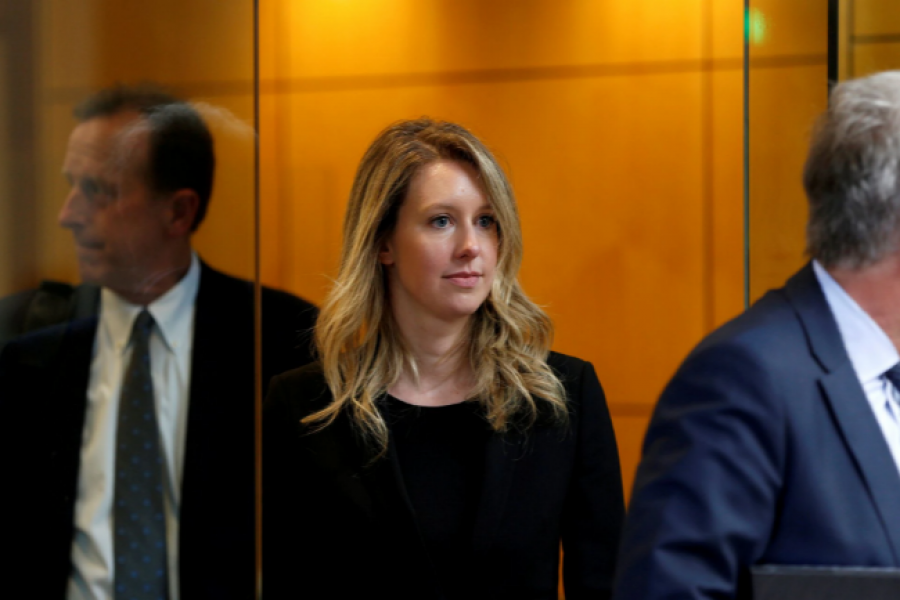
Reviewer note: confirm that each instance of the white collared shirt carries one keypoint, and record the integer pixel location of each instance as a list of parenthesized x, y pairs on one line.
[(871, 353), (171, 341)]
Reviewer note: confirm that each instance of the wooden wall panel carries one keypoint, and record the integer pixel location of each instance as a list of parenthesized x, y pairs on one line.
[(787, 91), (872, 38), (873, 57), (724, 143), (784, 102), (875, 17), (334, 38), (789, 29)]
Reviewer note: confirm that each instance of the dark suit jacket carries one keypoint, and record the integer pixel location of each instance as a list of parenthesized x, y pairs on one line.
[(43, 401), (334, 527), (50, 304), (763, 449)]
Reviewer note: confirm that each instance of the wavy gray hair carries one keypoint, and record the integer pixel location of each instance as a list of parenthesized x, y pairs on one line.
[(852, 174)]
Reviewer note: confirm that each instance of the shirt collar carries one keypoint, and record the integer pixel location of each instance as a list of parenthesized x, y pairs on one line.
[(868, 346), (172, 311)]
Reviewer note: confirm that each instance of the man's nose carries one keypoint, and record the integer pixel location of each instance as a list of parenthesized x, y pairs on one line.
[(71, 215)]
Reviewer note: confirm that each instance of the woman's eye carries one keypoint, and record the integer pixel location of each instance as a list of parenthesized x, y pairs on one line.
[(441, 221), (486, 221)]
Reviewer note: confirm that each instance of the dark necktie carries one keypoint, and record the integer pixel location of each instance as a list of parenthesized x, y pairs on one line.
[(139, 540)]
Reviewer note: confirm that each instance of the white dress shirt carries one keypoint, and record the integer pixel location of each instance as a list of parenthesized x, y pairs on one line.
[(171, 340), (871, 352)]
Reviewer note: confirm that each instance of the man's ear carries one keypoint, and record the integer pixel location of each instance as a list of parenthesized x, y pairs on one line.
[(184, 206)]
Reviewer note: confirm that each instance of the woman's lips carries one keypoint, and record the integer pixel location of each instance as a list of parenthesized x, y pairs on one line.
[(464, 279)]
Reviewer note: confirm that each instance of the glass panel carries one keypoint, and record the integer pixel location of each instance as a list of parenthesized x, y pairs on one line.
[(121, 220), (619, 124), (788, 49)]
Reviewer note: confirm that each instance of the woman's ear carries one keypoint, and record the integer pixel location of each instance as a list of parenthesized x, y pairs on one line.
[(386, 254)]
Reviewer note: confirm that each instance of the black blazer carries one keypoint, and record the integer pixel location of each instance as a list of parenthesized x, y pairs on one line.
[(763, 449), (43, 382), (334, 527)]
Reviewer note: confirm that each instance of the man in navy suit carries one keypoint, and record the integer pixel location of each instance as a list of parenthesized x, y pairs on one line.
[(140, 165), (778, 439)]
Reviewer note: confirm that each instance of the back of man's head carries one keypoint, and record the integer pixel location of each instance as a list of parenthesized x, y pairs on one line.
[(852, 174), (180, 154)]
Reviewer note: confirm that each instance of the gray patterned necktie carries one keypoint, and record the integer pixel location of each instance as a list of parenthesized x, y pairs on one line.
[(139, 522)]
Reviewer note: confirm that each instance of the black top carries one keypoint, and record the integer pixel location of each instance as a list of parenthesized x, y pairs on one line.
[(441, 455)]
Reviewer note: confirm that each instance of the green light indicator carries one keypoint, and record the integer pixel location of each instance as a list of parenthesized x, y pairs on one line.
[(756, 28)]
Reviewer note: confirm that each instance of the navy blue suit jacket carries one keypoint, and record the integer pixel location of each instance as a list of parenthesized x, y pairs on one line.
[(763, 449), (43, 383)]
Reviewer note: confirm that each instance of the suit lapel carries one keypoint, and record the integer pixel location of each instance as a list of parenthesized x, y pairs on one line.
[(502, 453), (222, 382), (849, 405), (72, 379), (208, 375), (218, 469), (868, 447)]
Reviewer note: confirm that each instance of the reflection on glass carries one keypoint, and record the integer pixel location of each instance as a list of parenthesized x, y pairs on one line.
[(128, 450), (142, 376)]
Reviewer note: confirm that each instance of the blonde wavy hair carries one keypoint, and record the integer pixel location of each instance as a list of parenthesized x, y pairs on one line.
[(359, 345)]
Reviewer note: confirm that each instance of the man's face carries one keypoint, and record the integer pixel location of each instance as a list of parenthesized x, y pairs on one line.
[(119, 227)]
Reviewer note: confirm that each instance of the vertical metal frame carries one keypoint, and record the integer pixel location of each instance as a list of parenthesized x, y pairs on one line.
[(833, 42), (747, 153), (257, 304)]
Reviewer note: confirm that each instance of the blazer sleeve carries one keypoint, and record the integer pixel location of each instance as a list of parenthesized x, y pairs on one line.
[(705, 492), (592, 519), (281, 495)]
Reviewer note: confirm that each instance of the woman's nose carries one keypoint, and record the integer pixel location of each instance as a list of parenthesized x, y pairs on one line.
[(470, 245)]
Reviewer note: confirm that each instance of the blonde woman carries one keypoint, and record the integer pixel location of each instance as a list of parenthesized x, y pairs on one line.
[(437, 449)]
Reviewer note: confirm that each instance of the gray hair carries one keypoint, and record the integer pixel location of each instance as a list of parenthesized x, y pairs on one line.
[(852, 174)]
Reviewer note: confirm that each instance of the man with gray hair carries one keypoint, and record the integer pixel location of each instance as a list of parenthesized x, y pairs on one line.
[(777, 442)]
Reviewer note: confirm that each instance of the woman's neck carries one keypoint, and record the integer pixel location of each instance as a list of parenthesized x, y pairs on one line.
[(444, 373)]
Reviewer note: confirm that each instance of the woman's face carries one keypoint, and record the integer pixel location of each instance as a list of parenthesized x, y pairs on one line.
[(442, 253)]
